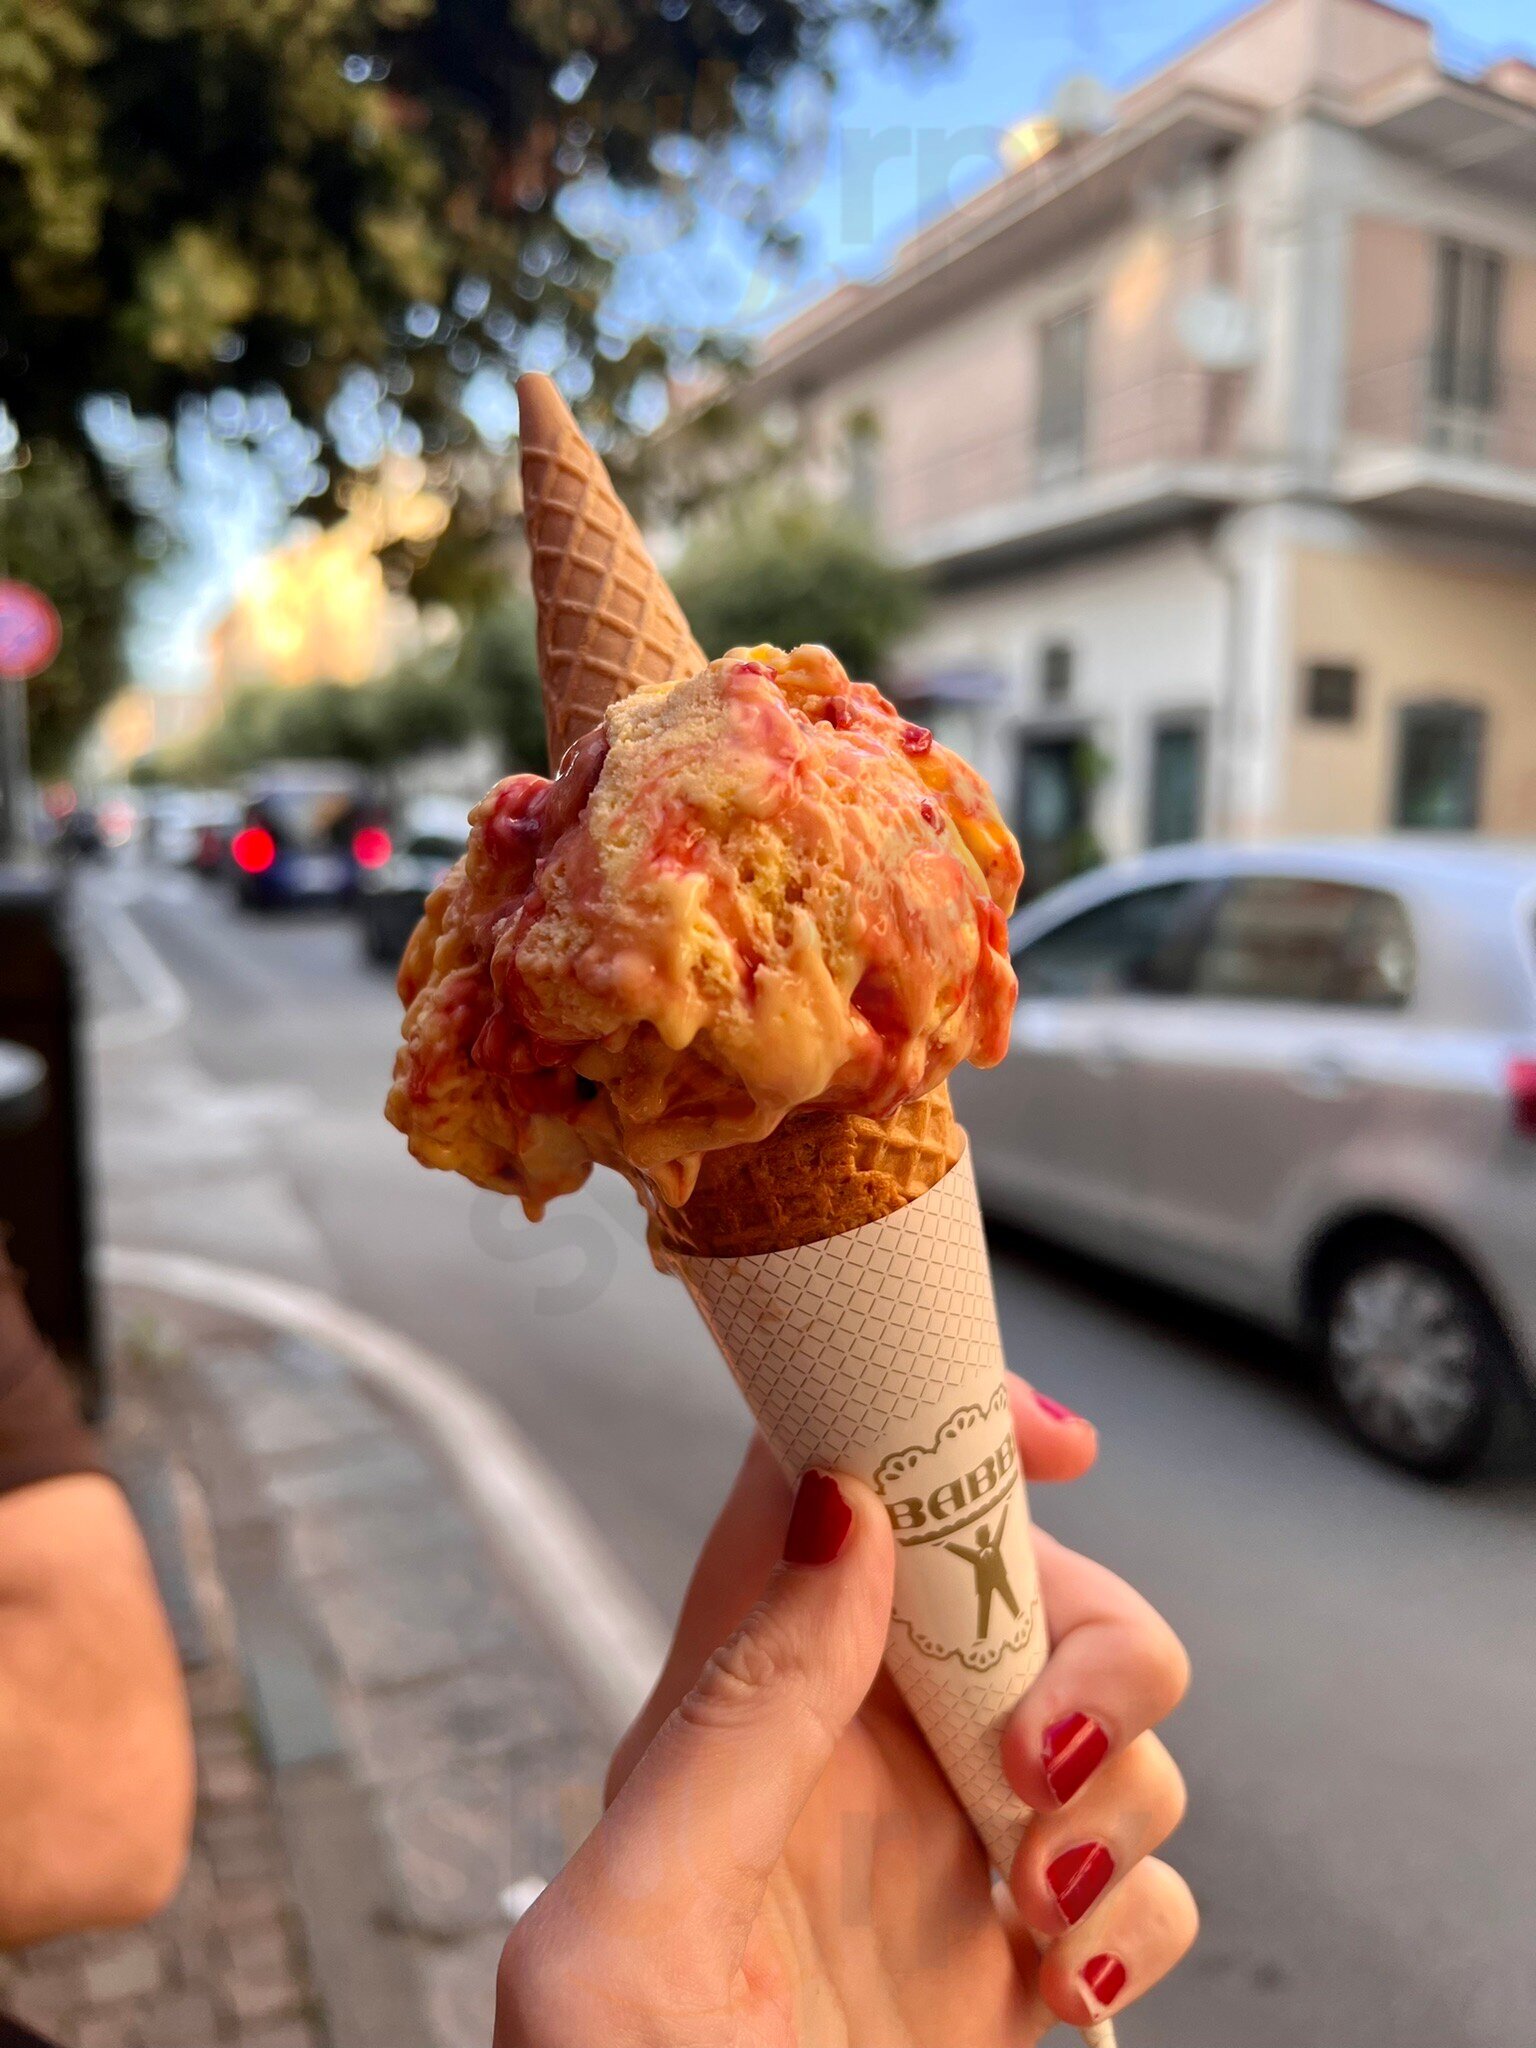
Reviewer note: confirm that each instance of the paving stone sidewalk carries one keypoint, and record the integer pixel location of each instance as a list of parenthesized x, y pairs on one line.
[(388, 1757)]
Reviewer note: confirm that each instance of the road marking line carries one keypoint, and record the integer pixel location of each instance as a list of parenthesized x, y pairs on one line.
[(605, 1630), (163, 1001)]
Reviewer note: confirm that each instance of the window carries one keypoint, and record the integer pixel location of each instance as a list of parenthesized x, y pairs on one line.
[(1290, 939), (1137, 942), (1177, 794), (1331, 692), (1056, 672), (1439, 767), (1464, 367), (1062, 426)]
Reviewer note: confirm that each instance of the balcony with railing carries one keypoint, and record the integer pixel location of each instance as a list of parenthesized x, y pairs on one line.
[(1426, 440), (1138, 456)]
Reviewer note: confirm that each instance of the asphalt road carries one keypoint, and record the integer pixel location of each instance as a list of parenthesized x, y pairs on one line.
[(1360, 1741)]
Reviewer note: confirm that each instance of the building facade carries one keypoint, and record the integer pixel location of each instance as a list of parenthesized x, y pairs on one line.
[(1214, 431)]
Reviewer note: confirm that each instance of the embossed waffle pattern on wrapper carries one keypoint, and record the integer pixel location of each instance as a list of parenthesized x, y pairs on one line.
[(858, 1354)]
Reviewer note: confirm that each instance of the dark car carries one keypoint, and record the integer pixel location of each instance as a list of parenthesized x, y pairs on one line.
[(304, 837), (192, 828), (428, 837), (210, 855), (79, 834)]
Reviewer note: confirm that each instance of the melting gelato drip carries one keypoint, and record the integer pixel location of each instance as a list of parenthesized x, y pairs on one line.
[(754, 892)]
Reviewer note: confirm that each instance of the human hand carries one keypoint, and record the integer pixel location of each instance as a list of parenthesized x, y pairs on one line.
[(782, 1864)]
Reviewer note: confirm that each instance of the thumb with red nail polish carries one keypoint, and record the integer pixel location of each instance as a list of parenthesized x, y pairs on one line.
[(815, 1640)]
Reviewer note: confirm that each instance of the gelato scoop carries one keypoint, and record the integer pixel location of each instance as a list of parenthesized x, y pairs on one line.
[(748, 894)]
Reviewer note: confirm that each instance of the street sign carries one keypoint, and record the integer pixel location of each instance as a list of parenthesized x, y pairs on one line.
[(30, 633)]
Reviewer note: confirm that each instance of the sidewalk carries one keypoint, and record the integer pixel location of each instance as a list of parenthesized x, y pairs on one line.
[(389, 1761)]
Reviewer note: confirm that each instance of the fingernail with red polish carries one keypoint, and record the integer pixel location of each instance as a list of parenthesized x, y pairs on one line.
[(1072, 1750), (1078, 1876), (1103, 1980), (819, 1523), (1056, 1411)]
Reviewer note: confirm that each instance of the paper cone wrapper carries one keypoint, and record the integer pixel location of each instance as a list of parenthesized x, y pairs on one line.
[(877, 1353)]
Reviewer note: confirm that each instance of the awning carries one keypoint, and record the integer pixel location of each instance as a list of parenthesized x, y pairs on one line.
[(949, 686)]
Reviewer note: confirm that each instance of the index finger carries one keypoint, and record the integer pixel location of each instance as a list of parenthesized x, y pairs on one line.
[(1054, 1443), (743, 1547)]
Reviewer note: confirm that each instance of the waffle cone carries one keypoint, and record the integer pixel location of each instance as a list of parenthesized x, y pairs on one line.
[(606, 620), (819, 1174)]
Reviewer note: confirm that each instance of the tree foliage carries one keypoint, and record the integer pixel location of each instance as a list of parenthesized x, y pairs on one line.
[(787, 571), (777, 572), (498, 672), (195, 192), (56, 533), (489, 686), (269, 193)]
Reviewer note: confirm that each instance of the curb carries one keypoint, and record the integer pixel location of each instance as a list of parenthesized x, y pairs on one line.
[(163, 1005), (599, 1624)]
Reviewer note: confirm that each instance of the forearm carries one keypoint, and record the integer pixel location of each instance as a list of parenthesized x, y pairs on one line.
[(96, 1766)]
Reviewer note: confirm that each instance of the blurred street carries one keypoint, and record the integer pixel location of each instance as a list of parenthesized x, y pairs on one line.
[(1011, 535), (1334, 1610)]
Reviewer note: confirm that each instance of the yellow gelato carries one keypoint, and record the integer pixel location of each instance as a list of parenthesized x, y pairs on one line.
[(753, 892)]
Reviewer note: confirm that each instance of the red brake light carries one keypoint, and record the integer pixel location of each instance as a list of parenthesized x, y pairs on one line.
[(1522, 1095), (253, 850), (115, 820), (371, 846)]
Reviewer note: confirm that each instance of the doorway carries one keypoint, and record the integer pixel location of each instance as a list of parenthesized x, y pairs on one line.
[(1053, 809), (1176, 784), (1439, 768)]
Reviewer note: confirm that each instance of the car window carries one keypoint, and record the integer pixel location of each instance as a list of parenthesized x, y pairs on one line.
[(305, 819), (1292, 939), (1130, 944)]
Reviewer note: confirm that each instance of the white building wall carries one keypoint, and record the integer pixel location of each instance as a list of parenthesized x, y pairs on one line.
[(1366, 178), (1147, 623), (1249, 754), (1262, 184)]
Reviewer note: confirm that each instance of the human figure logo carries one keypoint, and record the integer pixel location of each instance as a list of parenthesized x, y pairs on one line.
[(987, 1562), (957, 1495)]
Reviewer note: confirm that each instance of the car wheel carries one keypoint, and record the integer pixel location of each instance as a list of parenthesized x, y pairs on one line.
[(1415, 1356)]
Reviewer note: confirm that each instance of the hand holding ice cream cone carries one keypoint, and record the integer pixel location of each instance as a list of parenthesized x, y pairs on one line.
[(780, 1855), (733, 951)]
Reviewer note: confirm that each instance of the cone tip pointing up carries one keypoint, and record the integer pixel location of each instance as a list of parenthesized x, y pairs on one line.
[(543, 415), (607, 622)]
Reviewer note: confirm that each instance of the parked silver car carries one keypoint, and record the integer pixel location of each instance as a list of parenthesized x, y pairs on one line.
[(1300, 1080)]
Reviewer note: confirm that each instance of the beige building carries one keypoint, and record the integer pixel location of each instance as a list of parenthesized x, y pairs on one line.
[(140, 721), (1214, 428), (320, 608)]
